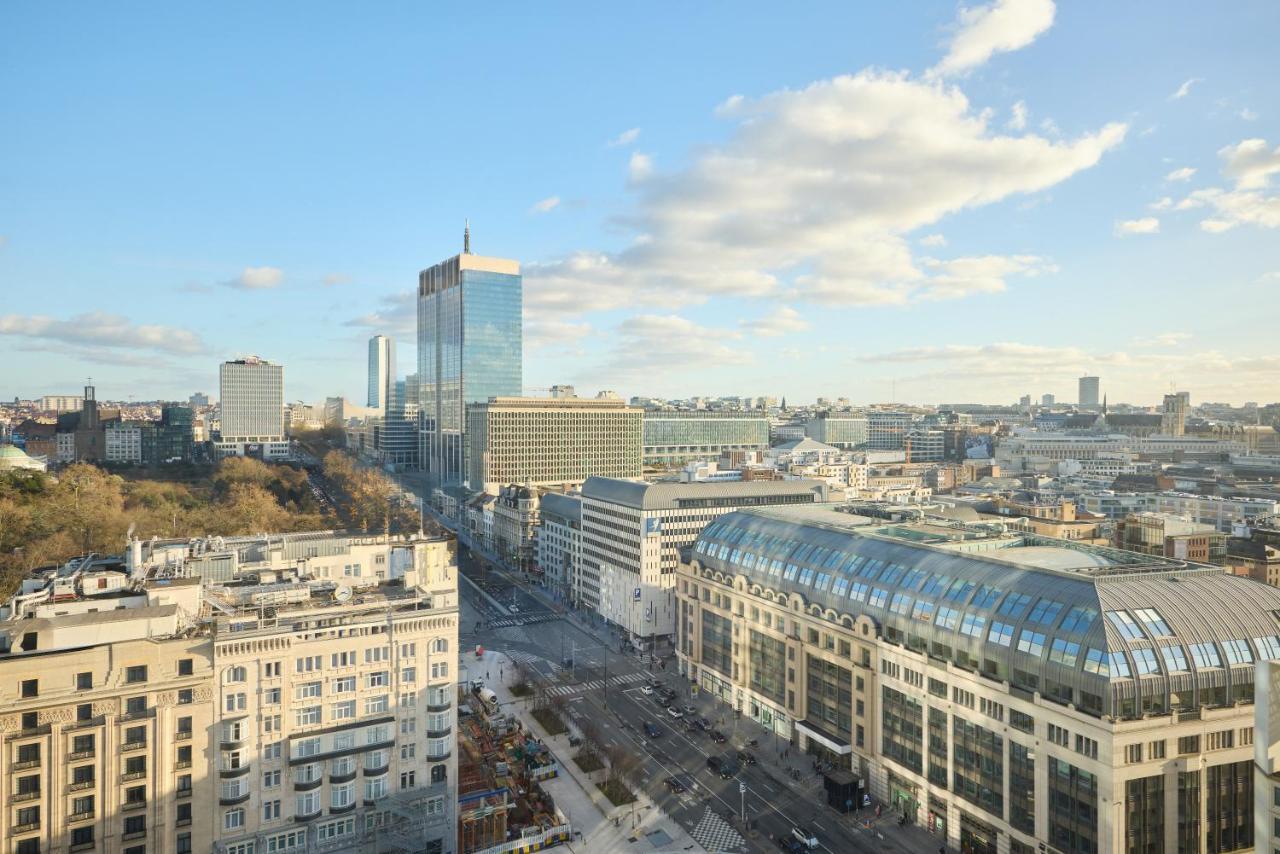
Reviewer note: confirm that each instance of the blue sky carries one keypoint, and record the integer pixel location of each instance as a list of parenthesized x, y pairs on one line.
[(923, 200)]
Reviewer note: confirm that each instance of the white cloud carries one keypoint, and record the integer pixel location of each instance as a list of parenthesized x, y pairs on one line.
[(549, 333), (1183, 174), (625, 138), (1163, 339), (998, 27), (813, 197), (547, 205), (648, 344), (1018, 117), (257, 279), (333, 279), (1247, 114), (1250, 165), (1184, 89), (961, 277), (100, 329), (1145, 225), (397, 315), (1162, 204), (783, 321), (639, 167), (933, 240)]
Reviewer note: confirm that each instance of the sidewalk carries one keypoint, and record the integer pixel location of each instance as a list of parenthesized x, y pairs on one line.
[(583, 805)]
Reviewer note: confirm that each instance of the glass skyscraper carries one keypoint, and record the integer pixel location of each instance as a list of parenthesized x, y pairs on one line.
[(469, 350)]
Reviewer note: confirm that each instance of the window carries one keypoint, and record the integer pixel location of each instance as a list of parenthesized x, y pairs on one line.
[(924, 611), (307, 716), (1222, 739), (271, 697), (1175, 660), (345, 710), (972, 625), (1014, 605), (270, 779), (375, 654), (271, 670), (1031, 642), (1064, 652), (1001, 633), (1022, 721), (82, 836), (1125, 625), (375, 705), (236, 674), (271, 810), (1145, 660), (82, 744), (342, 659), (1045, 612), (136, 673), (1058, 735), (186, 667), (233, 819), (235, 702), (274, 750), (84, 681), (1078, 619), (1238, 652), (878, 597), (186, 696), (1189, 744), (135, 706), (135, 735), (948, 618), (407, 779), (30, 687), (409, 674), (307, 690), (344, 685), (408, 725), (306, 664), (1268, 647), (1120, 665), (1156, 749), (985, 597), (135, 825), (1155, 623), (377, 680), (342, 795), (1205, 655), (307, 804), (1086, 746)]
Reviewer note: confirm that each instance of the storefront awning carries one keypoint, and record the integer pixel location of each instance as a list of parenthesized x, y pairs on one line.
[(830, 742)]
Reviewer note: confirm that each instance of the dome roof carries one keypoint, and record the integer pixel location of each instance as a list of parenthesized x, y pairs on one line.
[(13, 457)]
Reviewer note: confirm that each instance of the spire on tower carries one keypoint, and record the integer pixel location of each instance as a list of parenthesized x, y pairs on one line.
[(466, 237)]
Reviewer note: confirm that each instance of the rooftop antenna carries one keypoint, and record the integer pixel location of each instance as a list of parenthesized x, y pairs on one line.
[(466, 237)]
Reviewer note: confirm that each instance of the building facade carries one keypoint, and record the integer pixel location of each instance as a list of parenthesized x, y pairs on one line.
[(632, 533), (549, 442), (382, 371), (1087, 394), (1173, 414), (1005, 691), (560, 544), (675, 437), (251, 399), (847, 432), (469, 350), (887, 431)]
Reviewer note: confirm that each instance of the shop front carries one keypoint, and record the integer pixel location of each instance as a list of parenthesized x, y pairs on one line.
[(977, 837)]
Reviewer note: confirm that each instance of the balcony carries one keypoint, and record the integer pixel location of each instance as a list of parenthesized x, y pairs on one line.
[(233, 744), (183, 793), (141, 715), (83, 754), (23, 828), (81, 786), (80, 816), (21, 797), (439, 757), (182, 735), (344, 777), (82, 846), (182, 763), (137, 834), (307, 785), (132, 775), (377, 770), (25, 764), (302, 818), (229, 773), (232, 800), (130, 746), (439, 707), (182, 822), (340, 810), (439, 733), (129, 806)]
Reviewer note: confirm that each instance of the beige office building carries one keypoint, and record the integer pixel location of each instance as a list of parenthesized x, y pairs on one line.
[(551, 442), (240, 696), (1009, 692)]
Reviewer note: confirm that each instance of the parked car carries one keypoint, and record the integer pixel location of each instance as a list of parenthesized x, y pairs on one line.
[(791, 845), (675, 712), (647, 690), (703, 723), (805, 837), (652, 730), (717, 736), (715, 763), (689, 709), (746, 758)]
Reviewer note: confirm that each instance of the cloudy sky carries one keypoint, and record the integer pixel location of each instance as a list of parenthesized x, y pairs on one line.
[(928, 201)]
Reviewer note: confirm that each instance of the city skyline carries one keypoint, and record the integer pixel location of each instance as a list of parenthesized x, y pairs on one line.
[(984, 226)]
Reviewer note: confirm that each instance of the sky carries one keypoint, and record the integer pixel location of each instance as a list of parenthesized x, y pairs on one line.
[(924, 202)]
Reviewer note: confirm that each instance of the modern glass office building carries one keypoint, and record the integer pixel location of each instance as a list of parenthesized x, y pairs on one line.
[(469, 350)]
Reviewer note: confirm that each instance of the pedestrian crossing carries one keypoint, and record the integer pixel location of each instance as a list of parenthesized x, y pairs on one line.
[(596, 684), (532, 660), (522, 620), (716, 835)]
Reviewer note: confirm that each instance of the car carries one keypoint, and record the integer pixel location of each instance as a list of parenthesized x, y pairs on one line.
[(647, 690), (689, 709), (728, 769), (652, 730), (715, 763), (805, 838), (717, 736), (675, 712), (746, 758), (703, 723), (791, 845), (675, 785)]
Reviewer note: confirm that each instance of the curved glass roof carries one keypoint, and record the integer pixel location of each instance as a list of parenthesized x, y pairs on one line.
[(1043, 614)]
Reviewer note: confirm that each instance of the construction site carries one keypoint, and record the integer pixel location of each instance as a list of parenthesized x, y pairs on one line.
[(502, 806)]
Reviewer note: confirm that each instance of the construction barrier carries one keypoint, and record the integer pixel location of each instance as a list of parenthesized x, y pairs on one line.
[(535, 842)]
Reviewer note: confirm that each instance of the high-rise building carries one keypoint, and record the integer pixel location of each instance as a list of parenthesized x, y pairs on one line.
[(198, 400), (1002, 689), (1047, 400), (1087, 398), (675, 437), (887, 431), (61, 402), (382, 371), (251, 397), (632, 533), (847, 432), (469, 350), (1173, 415), (537, 441)]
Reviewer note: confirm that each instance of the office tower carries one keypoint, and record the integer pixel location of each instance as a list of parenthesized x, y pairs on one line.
[(469, 350), (1005, 690), (887, 431), (1047, 400), (1173, 415), (382, 371), (61, 403), (1087, 398), (847, 432), (675, 437), (536, 441), (632, 533), (198, 400), (251, 397), (1024, 401)]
